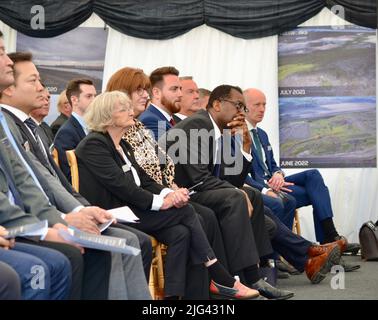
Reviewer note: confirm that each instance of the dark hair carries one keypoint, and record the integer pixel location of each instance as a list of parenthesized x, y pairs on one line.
[(1, 34), (220, 93), (73, 87), (157, 76), (19, 57), (128, 80)]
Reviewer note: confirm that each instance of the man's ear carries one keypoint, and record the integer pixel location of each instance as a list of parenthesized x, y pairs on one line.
[(217, 105), (8, 92), (156, 93)]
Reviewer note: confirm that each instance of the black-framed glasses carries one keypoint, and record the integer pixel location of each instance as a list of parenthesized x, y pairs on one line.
[(238, 105)]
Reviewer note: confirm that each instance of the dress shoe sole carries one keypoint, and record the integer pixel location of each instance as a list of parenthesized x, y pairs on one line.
[(333, 259), (215, 296)]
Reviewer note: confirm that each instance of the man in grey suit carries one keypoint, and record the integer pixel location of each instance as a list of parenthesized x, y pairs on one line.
[(84, 219)]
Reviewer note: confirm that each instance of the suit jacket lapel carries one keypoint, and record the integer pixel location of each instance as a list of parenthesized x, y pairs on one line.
[(78, 127)]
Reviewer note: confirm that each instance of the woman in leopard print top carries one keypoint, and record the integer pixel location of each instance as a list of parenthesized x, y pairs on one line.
[(146, 150)]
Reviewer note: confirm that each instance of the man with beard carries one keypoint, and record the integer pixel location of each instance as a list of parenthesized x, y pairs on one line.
[(166, 96)]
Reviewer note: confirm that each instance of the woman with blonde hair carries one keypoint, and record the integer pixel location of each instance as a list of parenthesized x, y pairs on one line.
[(110, 177)]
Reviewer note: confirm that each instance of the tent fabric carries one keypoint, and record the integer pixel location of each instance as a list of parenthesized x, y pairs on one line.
[(155, 19)]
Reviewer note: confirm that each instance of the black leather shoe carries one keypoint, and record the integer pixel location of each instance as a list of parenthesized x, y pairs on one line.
[(350, 248), (237, 292), (349, 267), (282, 274), (282, 266), (270, 292)]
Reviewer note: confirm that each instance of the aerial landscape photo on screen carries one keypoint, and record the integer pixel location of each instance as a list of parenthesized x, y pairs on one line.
[(327, 97)]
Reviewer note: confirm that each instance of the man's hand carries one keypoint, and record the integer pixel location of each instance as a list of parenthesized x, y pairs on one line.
[(276, 182), (53, 236), (239, 125), (83, 222), (100, 215), (4, 243)]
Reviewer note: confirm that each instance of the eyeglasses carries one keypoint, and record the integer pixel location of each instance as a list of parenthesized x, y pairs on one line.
[(140, 91), (238, 105)]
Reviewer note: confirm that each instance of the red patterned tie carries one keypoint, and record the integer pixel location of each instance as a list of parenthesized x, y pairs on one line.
[(172, 122)]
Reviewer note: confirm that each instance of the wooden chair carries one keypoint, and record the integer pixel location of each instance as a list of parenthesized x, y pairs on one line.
[(296, 223), (72, 162), (156, 283), (55, 155)]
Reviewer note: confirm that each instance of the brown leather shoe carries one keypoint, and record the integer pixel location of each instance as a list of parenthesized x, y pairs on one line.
[(316, 250), (317, 266)]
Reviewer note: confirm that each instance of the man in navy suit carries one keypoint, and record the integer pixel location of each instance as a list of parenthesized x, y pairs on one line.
[(166, 96), (80, 93), (287, 192)]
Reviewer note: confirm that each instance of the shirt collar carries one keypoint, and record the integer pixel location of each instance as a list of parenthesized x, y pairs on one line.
[(250, 126), (181, 116), (17, 112), (217, 132), (80, 119), (165, 113)]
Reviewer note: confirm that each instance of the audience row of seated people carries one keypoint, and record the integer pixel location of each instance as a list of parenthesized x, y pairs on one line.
[(219, 230)]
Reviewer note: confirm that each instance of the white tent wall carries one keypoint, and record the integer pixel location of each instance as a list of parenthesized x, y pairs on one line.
[(212, 58)]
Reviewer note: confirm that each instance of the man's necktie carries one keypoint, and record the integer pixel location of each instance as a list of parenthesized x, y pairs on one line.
[(34, 128), (218, 159), (257, 143), (11, 184), (172, 122)]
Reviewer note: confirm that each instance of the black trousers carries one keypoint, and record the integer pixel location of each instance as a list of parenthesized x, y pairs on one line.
[(197, 277), (230, 207), (258, 223), (181, 230), (90, 271)]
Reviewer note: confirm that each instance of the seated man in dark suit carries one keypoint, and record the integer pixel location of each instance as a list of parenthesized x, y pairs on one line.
[(189, 103), (39, 114), (198, 144), (80, 93), (298, 190), (65, 110)]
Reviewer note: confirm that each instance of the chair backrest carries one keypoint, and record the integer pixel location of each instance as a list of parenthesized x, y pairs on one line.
[(54, 154), (72, 162)]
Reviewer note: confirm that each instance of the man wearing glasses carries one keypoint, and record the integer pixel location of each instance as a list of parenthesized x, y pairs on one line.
[(219, 187)]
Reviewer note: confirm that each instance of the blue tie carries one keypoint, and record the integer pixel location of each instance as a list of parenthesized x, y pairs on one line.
[(11, 184), (13, 142), (258, 145)]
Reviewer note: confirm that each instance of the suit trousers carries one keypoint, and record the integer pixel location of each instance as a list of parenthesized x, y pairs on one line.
[(90, 271), (48, 270), (127, 279), (230, 207), (257, 221), (197, 278), (283, 209), (145, 246), (288, 244), (182, 232), (309, 189), (10, 287)]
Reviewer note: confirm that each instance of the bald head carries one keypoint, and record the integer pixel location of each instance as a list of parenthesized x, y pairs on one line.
[(255, 101)]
